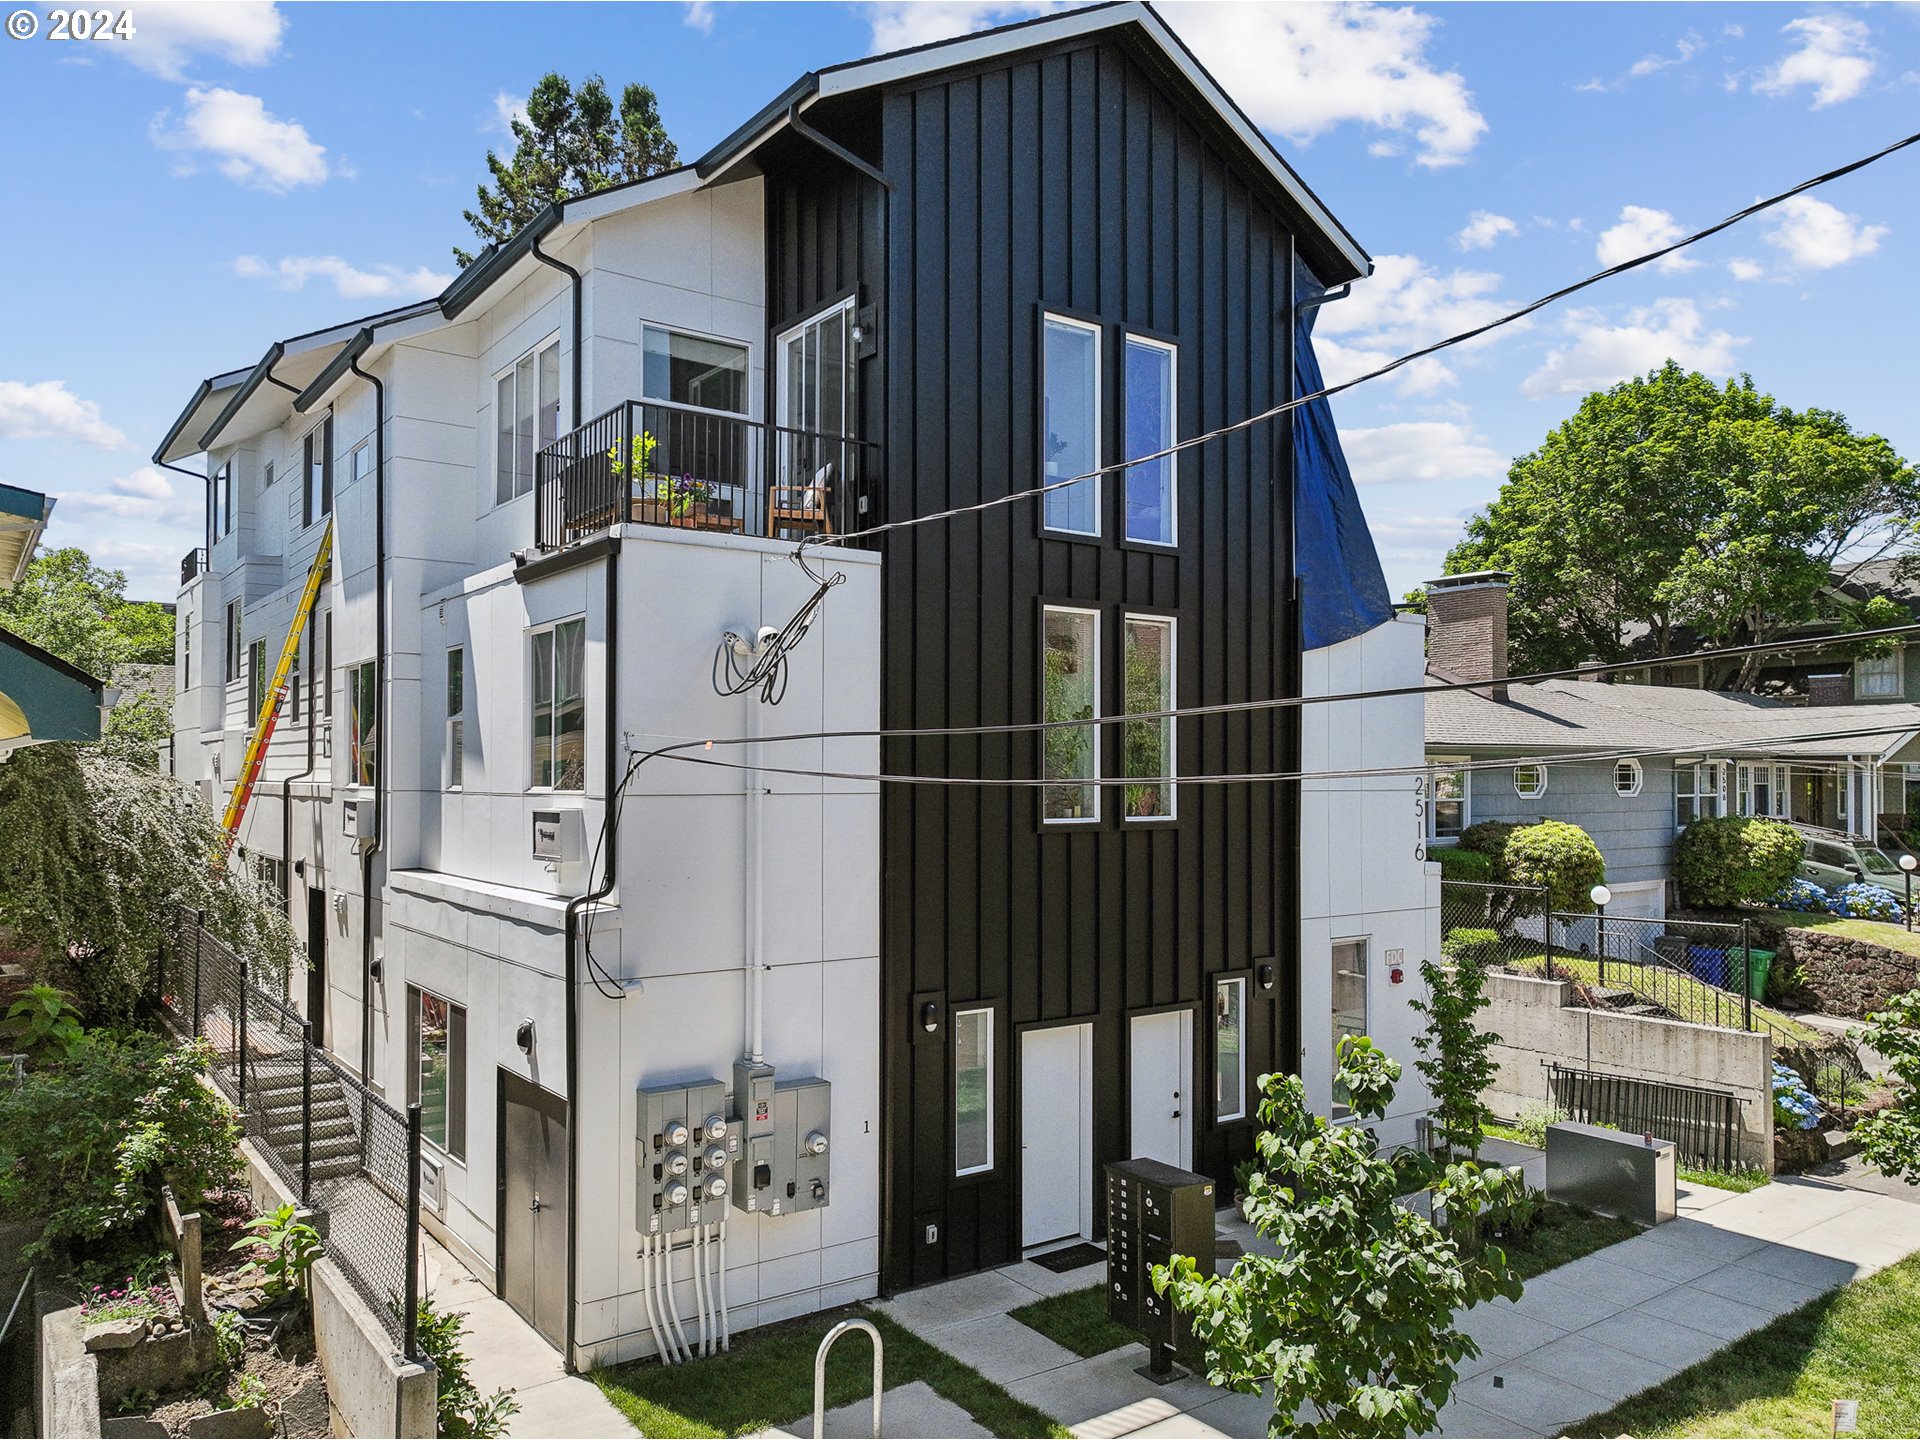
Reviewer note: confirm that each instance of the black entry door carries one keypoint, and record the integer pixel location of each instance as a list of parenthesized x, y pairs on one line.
[(317, 963), (533, 1205)]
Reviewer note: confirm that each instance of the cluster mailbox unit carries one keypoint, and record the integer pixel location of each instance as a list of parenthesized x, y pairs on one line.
[(1154, 1212)]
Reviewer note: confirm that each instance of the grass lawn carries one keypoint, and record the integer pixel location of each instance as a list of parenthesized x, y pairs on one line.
[(1739, 1181), (1681, 993), (766, 1379), (1878, 932), (1858, 1343), (1077, 1321)]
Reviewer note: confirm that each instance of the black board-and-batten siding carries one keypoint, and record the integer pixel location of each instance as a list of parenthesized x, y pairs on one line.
[(1080, 181)]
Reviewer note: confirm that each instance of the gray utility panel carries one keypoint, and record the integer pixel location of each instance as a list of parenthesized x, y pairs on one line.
[(1154, 1212), (783, 1164), (1632, 1176), (688, 1143)]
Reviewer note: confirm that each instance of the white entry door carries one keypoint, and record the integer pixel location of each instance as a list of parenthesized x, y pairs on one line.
[(1056, 1134), (1161, 1052)]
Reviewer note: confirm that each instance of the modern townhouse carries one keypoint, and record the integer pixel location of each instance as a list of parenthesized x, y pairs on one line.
[(1658, 757), (567, 499)]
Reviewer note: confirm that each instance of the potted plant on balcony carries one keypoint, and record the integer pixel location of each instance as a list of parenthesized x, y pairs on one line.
[(651, 496)]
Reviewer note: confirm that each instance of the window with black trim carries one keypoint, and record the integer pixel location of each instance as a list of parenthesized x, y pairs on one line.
[(220, 503), (234, 649), (1148, 678), (526, 418), (363, 710), (1230, 1049), (1070, 424), (256, 680), (972, 1091), (317, 468), (1151, 385), (560, 706), (693, 370), (1071, 680), (456, 717), (326, 668), (437, 1083)]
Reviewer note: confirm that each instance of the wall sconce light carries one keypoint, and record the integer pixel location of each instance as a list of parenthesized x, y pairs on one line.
[(1266, 975), (379, 972), (930, 1016), (523, 1037)]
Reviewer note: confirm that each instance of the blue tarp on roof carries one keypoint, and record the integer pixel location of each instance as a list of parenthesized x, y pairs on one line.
[(1343, 592)]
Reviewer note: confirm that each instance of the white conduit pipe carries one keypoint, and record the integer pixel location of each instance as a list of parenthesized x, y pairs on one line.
[(673, 1308), (700, 1289), (726, 1325), (646, 1291), (756, 860)]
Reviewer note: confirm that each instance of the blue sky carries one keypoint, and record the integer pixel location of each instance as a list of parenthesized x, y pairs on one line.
[(242, 172)]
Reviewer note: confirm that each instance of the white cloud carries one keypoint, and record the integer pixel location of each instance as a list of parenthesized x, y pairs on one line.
[(169, 34), (1484, 227), (507, 108), (1688, 46), (251, 145), (50, 411), (292, 272), (1834, 60), (1601, 354), (1297, 70), (1641, 229), (1819, 236), (1745, 269), (1341, 363), (1420, 450), (145, 495), (1403, 305), (699, 16)]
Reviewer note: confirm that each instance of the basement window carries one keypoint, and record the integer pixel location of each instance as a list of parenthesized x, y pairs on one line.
[(438, 1081)]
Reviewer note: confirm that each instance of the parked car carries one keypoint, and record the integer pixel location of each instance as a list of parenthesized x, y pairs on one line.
[(1834, 861)]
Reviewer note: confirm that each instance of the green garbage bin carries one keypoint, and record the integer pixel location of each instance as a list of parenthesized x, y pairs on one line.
[(1759, 967)]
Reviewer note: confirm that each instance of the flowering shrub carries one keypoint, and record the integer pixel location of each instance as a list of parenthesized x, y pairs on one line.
[(1794, 1107), (1866, 902), (126, 1301), (1802, 895)]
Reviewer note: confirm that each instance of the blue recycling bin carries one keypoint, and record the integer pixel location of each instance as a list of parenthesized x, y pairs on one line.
[(1708, 963)]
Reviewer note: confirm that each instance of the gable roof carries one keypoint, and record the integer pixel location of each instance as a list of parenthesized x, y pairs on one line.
[(1580, 715)]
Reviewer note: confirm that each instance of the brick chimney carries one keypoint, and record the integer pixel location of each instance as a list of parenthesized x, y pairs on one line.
[(1467, 627), (1830, 689)]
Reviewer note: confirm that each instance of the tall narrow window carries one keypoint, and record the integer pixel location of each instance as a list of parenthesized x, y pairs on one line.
[(1150, 429), (1349, 1007), (972, 1091), (456, 717), (1230, 1050), (1698, 793), (526, 418), (363, 702), (1070, 424), (317, 466), (293, 679), (559, 707), (220, 488), (1072, 686), (256, 680), (360, 461), (1447, 811), (438, 1080), (233, 641), (266, 477), (326, 669), (186, 649), (1149, 743)]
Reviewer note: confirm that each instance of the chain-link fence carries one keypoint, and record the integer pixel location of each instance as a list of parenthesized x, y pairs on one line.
[(349, 1155)]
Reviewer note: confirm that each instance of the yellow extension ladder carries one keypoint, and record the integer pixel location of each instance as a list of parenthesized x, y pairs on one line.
[(256, 756)]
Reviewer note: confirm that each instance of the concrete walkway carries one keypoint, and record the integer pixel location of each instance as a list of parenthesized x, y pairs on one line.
[(1581, 1339), (506, 1353)]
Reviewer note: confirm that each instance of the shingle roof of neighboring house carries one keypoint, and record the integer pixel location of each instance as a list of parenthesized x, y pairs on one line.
[(1556, 715)]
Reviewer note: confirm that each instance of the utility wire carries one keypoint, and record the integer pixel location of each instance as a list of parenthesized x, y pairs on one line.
[(1387, 369)]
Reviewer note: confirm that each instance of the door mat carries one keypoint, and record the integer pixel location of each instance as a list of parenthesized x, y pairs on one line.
[(1070, 1258)]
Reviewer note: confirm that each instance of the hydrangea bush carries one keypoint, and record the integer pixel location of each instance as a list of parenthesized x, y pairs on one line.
[(1861, 901), (1794, 1107), (1801, 895)]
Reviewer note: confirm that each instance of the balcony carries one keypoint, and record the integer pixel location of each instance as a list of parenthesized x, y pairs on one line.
[(648, 462), (192, 565)]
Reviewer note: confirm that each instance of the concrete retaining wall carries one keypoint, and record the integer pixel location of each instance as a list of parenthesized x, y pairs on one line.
[(372, 1390), (1537, 1024), (69, 1390)]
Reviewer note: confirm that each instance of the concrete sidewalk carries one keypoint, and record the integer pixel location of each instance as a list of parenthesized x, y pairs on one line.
[(1580, 1340), (505, 1353)]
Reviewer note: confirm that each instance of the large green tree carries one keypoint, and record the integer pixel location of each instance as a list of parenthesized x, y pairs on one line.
[(1670, 502), (79, 611), (572, 142)]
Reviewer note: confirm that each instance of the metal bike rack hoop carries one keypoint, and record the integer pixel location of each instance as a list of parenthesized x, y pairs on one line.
[(820, 1374)]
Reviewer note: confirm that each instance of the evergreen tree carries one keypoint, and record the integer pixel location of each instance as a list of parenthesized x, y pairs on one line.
[(572, 142)]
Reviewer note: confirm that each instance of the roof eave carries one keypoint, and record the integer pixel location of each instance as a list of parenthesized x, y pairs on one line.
[(255, 379), (472, 282)]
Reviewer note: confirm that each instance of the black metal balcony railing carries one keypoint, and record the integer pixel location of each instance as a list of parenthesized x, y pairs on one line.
[(192, 564), (649, 463)]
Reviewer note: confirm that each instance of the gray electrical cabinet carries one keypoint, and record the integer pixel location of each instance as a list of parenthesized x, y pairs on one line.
[(754, 1185), (801, 1109), (687, 1145), (1154, 1212)]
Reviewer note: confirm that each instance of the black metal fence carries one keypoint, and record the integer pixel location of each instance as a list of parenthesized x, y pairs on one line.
[(1703, 1124), (349, 1155), (648, 463)]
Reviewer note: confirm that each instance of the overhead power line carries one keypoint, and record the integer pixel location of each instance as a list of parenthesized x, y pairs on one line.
[(1422, 353)]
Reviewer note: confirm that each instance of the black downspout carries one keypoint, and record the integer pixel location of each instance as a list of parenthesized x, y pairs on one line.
[(571, 968), (383, 739)]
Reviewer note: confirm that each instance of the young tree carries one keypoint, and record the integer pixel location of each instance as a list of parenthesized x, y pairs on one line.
[(1456, 1051), (1355, 1315), (1890, 1138), (571, 143), (1668, 501)]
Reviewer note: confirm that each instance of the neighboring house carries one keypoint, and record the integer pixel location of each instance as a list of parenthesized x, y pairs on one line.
[(42, 697), (1682, 754), (910, 283)]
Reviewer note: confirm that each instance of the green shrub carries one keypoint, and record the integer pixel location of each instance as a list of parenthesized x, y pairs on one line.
[(1557, 857), (1737, 860), (1487, 838), (1460, 864), (462, 1410), (1468, 945)]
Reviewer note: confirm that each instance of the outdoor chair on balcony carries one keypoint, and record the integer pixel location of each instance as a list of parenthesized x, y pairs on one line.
[(801, 509)]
